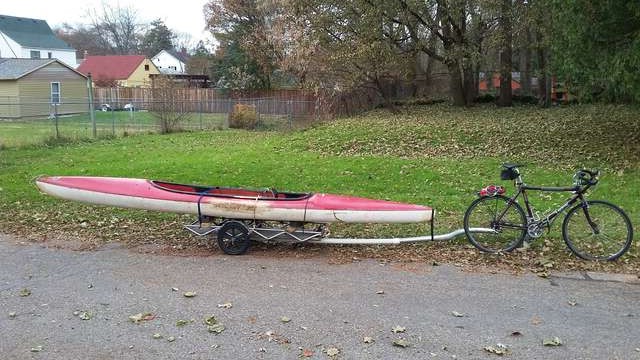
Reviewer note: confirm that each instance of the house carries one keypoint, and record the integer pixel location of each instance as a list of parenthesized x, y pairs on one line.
[(119, 70), (40, 87), (495, 82), (171, 62), (32, 38)]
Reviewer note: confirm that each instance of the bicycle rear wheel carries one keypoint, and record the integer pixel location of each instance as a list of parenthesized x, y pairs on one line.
[(508, 231), (599, 231)]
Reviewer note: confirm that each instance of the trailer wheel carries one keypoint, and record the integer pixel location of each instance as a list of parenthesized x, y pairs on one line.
[(233, 238)]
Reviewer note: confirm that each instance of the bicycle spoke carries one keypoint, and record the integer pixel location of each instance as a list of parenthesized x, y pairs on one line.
[(606, 237), (495, 213)]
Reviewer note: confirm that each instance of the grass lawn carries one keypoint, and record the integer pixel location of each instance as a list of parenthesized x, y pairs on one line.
[(434, 155), (20, 133)]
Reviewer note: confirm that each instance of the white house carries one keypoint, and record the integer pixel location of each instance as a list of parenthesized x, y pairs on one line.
[(171, 62), (32, 39)]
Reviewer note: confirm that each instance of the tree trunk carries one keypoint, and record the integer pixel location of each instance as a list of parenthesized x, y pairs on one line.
[(421, 78), (525, 64), (386, 99), (456, 88), (506, 93), (544, 100), (468, 83)]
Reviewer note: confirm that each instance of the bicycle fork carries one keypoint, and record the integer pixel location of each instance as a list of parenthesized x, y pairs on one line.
[(594, 227)]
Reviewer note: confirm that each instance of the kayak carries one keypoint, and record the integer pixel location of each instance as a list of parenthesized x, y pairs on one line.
[(230, 203)]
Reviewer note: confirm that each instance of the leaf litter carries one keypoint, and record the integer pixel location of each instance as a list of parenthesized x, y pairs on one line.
[(398, 329), (554, 341), (401, 343), (498, 349), (137, 318)]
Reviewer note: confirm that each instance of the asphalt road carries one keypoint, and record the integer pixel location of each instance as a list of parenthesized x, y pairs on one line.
[(329, 306)]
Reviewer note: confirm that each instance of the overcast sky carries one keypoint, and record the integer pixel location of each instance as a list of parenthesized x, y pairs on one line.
[(179, 15)]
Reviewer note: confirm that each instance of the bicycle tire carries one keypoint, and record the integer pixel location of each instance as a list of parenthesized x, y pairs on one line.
[(583, 240), (501, 240)]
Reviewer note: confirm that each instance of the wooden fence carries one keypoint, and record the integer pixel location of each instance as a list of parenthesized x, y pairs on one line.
[(295, 103)]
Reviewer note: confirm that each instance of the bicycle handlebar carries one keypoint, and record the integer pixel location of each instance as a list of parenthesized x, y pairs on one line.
[(586, 177)]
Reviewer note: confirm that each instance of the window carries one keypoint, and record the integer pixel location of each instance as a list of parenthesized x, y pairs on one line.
[(49, 55), (35, 54), (146, 68), (55, 93)]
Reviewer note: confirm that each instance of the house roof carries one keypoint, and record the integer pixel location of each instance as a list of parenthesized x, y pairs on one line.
[(111, 67), (31, 33), (181, 56), (13, 69)]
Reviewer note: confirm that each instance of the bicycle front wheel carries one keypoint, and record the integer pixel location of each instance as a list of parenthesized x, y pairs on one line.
[(492, 225), (597, 230)]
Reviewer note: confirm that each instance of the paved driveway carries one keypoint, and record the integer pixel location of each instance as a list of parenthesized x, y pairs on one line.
[(329, 307)]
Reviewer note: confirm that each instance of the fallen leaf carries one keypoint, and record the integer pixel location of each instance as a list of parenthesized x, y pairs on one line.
[(12, 315), (141, 317), (572, 302), (499, 349), (157, 336), (37, 349), (174, 289), (211, 320), (225, 305), (555, 341), (398, 329), (457, 314), (368, 340), (401, 343), (285, 319), (543, 274), (536, 320), (182, 322), (216, 328), (380, 292), (333, 351), (189, 294), (171, 339), (24, 292), (516, 333), (85, 315), (307, 353)]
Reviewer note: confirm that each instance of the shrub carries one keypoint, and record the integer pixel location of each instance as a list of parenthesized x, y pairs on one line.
[(243, 116)]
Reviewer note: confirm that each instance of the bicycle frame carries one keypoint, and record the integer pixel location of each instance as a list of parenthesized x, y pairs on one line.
[(578, 196)]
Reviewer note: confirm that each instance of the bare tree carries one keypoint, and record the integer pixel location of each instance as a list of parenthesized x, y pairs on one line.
[(170, 105), (118, 28), (506, 93)]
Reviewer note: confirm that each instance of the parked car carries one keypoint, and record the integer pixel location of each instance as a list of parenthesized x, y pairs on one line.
[(126, 107)]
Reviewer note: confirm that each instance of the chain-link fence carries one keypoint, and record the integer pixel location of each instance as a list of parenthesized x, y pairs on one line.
[(34, 121)]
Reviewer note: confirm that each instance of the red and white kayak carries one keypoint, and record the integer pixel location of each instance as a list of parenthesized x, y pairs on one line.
[(233, 203)]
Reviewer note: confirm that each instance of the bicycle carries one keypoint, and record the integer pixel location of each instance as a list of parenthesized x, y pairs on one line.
[(592, 229)]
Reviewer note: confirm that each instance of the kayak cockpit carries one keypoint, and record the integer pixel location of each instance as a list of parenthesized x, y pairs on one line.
[(218, 191)]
